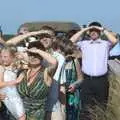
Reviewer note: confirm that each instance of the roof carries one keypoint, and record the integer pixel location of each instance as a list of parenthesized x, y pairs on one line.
[(58, 26)]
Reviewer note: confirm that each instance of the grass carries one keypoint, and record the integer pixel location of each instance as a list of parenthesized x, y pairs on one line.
[(113, 107)]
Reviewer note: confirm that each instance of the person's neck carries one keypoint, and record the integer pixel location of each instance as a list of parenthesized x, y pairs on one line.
[(49, 50), (95, 38), (35, 68)]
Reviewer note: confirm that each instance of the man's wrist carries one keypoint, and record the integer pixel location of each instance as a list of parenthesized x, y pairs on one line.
[(105, 31)]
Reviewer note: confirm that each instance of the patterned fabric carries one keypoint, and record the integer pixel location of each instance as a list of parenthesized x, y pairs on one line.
[(34, 97), (72, 98)]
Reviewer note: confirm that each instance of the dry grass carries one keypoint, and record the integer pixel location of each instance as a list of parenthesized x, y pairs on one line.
[(113, 107)]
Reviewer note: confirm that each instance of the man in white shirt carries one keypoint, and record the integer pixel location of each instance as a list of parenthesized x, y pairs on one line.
[(95, 52)]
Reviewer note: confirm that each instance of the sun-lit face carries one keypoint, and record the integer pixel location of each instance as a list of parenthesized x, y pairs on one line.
[(23, 30), (6, 58), (34, 61), (94, 35), (47, 42)]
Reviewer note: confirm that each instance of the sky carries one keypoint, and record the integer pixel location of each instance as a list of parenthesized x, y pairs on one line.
[(13, 13)]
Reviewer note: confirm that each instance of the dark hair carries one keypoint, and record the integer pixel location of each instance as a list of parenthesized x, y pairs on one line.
[(71, 33), (95, 24), (58, 44), (69, 48), (64, 44), (44, 35), (37, 45), (45, 27)]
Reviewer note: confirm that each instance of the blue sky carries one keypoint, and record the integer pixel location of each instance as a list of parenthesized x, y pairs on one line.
[(15, 12)]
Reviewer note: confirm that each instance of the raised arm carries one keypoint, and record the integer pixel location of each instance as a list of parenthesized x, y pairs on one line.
[(20, 38), (78, 35), (79, 80), (2, 40), (45, 55), (110, 36)]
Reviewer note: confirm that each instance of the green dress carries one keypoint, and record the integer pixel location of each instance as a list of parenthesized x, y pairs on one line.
[(72, 99), (34, 97)]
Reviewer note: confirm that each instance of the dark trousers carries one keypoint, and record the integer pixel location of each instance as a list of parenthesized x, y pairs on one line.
[(3, 113), (94, 91), (113, 57)]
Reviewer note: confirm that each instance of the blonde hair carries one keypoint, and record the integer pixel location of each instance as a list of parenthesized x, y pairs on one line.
[(11, 49)]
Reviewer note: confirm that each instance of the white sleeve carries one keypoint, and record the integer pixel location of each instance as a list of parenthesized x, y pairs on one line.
[(63, 75), (59, 71)]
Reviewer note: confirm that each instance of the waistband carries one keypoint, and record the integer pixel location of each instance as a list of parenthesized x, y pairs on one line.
[(84, 74)]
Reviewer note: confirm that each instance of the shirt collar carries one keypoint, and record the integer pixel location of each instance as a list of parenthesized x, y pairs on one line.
[(95, 41)]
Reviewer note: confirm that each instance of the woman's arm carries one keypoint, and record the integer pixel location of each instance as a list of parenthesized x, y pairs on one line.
[(77, 83), (49, 72), (45, 55), (2, 40), (20, 38)]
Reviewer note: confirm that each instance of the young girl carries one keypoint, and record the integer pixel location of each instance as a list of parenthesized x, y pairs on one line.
[(73, 77), (8, 82)]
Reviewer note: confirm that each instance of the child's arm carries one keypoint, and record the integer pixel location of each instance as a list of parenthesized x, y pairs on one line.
[(9, 83), (18, 80), (77, 83), (2, 82)]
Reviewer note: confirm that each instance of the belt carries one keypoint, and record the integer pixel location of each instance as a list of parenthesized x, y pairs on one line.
[(91, 76)]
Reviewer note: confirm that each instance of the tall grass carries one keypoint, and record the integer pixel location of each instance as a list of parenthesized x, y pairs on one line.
[(113, 106)]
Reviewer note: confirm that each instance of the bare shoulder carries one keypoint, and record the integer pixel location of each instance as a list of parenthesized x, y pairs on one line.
[(47, 77)]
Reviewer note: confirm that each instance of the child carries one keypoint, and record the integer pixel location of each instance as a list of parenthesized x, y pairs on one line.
[(8, 81)]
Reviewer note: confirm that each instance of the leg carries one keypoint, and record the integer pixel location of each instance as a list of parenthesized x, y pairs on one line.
[(23, 117), (48, 116)]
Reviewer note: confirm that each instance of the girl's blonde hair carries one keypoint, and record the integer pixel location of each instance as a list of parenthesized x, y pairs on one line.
[(11, 49)]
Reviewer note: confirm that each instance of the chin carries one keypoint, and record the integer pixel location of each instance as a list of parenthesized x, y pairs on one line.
[(34, 65)]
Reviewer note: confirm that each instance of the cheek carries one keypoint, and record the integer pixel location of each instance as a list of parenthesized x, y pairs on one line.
[(37, 61)]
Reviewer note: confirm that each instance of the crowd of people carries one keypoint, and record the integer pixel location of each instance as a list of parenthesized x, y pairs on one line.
[(48, 77)]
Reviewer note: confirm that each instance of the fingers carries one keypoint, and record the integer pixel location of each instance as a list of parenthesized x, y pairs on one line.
[(2, 96), (71, 88)]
